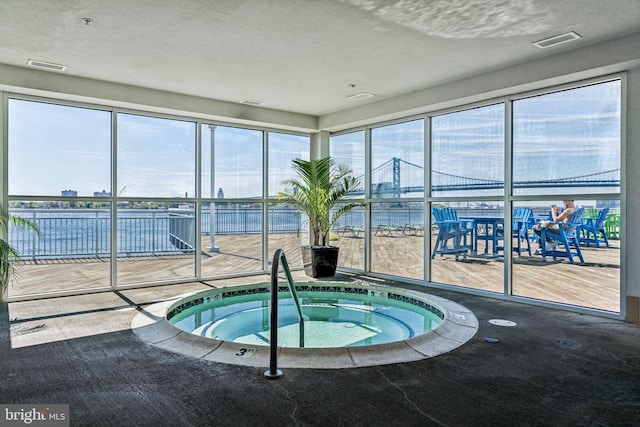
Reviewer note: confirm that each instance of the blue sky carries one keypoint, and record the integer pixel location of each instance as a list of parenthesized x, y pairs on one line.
[(54, 148)]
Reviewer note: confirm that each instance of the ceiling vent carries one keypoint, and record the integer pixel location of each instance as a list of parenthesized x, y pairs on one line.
[(252, 103), (556, 40), (359, 96), (49, 66)]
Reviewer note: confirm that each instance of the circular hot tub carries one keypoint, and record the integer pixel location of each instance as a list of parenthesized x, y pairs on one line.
[(343, 325)]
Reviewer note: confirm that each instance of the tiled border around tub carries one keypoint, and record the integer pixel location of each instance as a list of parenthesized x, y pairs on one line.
[(347, 288), (459, 325)]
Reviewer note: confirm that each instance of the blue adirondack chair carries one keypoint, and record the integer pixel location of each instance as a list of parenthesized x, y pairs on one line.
[(567, 239), (452, 233), (592, 227), (520, 229)]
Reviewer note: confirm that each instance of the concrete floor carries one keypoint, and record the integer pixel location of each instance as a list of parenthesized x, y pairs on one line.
[(81, 351)]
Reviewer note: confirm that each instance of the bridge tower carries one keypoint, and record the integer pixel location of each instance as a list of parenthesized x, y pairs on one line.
[(396, 177)]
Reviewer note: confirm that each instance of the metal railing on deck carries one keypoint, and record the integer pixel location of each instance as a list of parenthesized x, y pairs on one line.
[(66, 233)]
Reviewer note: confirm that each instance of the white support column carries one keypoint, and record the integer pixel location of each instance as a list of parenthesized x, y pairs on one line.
[(212, 206), (319, 145)]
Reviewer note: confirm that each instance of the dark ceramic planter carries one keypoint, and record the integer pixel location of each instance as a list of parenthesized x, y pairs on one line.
[(320, 261)]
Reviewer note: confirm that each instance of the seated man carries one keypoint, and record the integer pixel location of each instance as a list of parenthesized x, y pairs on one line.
[(557, 215)]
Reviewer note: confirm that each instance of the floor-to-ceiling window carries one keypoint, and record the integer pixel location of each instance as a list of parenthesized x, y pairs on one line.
[(397, 199), (467, 178), (131, 198), (156, 184), (59, 167), (566, 146), (287, 230), (232, 193), (558, 145), (69, 173), (349, 149), (391, 224)]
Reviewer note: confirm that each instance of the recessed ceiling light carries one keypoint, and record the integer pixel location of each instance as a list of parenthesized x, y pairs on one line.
[(359, 96), (556, 40), (49, 66), (252, 103)]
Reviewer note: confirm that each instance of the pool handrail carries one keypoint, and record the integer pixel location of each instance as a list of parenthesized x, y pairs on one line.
[(279, 257)]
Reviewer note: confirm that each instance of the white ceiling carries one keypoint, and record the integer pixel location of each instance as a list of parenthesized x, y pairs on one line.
[(298, 55)]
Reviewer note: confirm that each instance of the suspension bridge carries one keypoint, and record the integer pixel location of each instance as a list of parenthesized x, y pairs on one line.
[(397, 176)]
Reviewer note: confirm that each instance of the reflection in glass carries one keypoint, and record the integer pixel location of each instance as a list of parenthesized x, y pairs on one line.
[(156, 241), (58, 150), (75, 233), (397, 160), (156, 157), (237, 154), (468, 152), (568, 141)]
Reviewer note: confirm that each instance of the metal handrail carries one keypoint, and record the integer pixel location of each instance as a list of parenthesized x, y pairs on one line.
[(278, 257)]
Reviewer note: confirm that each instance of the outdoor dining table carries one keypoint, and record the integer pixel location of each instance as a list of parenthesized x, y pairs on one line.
[(485, 228)]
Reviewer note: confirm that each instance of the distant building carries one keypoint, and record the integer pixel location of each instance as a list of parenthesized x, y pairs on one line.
[(101, 194), (611, 204), (69, 193)]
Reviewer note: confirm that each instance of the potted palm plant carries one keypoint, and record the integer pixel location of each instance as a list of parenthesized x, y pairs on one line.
[(8, 255), (320, 190)]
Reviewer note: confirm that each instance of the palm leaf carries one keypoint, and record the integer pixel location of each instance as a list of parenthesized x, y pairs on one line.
[(318, 187), (8, 255)]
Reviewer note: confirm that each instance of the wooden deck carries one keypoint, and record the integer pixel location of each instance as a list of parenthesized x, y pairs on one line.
[(594, 283)]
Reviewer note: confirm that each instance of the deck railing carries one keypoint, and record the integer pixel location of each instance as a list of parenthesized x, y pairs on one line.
[(66, 233), (69, 233)]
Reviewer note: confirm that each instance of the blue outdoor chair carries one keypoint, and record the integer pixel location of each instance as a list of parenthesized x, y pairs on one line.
[(592, 227), (520, 229), (567, 238), (452, 233)]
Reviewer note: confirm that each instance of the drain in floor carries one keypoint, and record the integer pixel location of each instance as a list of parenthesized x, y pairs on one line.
[(502, 322)]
